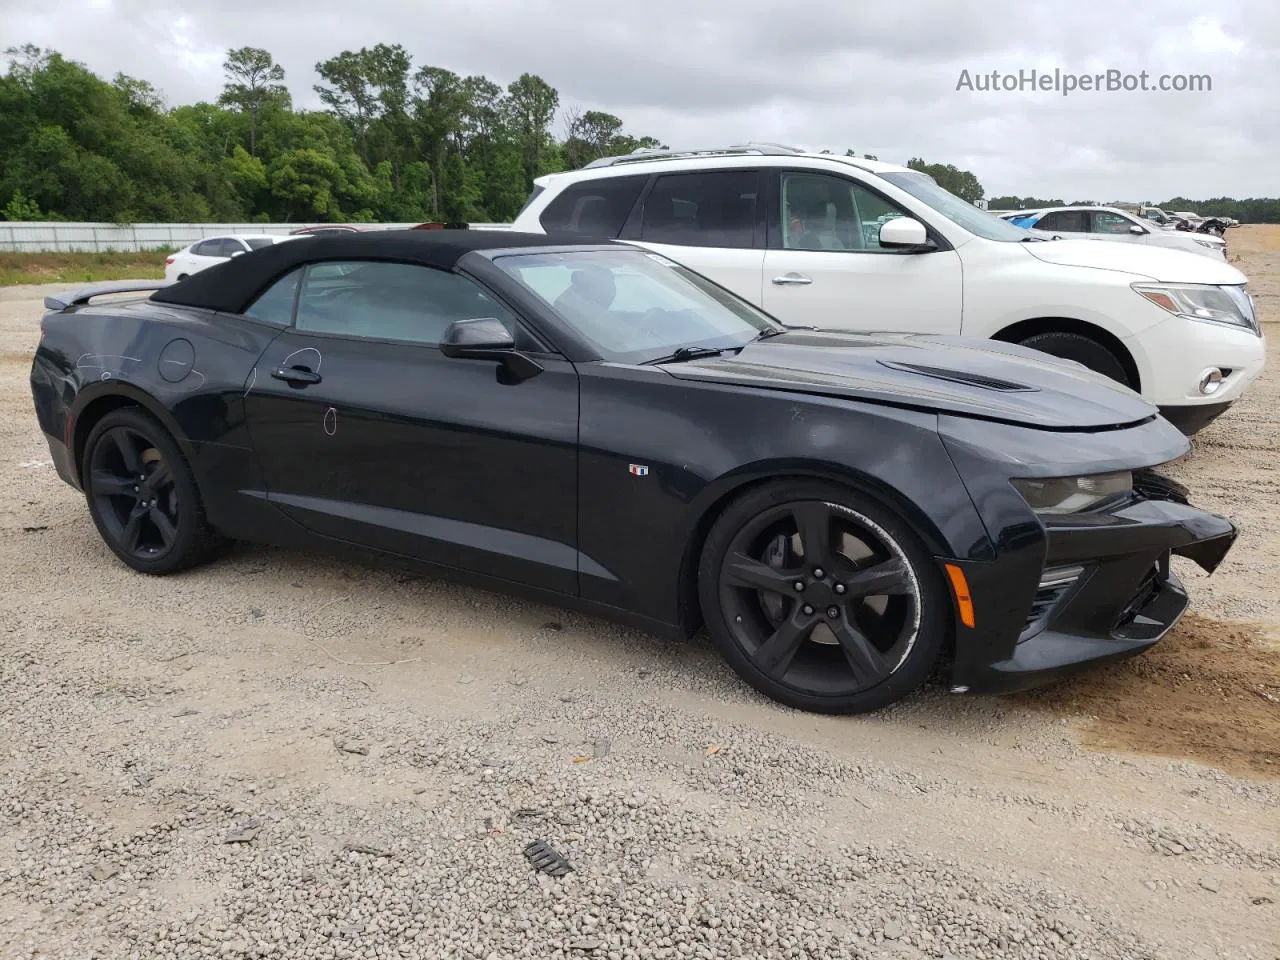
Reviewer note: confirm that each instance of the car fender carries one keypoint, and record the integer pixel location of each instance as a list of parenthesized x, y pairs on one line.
[(1006, 287), (89, 395)]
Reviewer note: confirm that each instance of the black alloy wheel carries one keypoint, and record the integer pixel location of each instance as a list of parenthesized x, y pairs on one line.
[(822, 599), (142, 496)]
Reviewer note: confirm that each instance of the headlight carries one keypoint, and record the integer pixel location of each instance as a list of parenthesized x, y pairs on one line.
[(1059, 495), (1229, 304), (1206, 243)]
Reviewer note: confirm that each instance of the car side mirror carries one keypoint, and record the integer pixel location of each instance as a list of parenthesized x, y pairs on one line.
[(486, 338), (1137, 230), (904, 233), (237, 253)]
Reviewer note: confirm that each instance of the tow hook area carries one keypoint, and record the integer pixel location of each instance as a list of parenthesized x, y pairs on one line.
[(1208, 554)]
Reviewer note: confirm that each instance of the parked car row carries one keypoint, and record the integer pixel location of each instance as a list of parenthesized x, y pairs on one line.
[(1111, 223), (852, 244), (596, 425)]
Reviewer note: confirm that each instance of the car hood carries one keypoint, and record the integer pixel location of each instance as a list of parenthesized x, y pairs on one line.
[(986, 379), (1162, 264)]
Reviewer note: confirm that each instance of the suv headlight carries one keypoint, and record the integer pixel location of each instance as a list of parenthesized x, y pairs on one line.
[(1229, 304), (1059, 495)]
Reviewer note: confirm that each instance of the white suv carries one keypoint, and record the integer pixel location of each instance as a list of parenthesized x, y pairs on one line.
[(851, 244)]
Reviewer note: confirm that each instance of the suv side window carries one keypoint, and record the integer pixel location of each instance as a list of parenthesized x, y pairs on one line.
[(593, 208), (822, 212), (1064, 221), (702, 209), (391, 301)]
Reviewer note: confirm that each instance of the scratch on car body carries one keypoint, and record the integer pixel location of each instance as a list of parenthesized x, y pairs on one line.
[(319, 357)]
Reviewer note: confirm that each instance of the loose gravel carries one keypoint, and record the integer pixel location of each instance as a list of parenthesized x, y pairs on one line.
[(288, 757)]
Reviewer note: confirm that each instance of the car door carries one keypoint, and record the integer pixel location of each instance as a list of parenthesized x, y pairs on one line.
[(824, 265), (367, 433), (711, 221)]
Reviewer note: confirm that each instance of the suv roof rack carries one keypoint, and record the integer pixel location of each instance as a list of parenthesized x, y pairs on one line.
[(643, 154)]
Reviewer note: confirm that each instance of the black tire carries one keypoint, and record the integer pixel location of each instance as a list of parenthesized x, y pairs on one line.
[(142, 495), (873, 657), (1095, 355), (183, 276)]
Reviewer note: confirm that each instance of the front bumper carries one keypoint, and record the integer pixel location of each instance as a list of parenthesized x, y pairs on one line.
[(1104, 591), (1174, 355)]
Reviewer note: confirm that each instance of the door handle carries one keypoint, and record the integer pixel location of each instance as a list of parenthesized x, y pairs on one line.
[(296, 375), (791, 278)]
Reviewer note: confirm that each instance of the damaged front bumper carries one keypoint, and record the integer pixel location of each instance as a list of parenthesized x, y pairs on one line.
[(1104, 591)]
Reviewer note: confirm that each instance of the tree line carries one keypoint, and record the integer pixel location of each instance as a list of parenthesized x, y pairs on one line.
[(394, 142)]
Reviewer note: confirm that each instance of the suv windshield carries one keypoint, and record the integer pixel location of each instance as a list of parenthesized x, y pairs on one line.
[(634, 306), (977, 221)]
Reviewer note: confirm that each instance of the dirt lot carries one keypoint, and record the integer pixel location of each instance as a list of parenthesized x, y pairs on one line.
[(282, 756)]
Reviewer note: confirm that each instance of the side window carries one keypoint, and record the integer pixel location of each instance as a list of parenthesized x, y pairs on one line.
[(1106, 222), (208, 248), (702, 209), (391, 301), (1064, 221), (275, 306), (821, 212), (593, 208)]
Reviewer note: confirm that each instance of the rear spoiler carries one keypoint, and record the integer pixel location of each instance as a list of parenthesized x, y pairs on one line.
[(78, 297)]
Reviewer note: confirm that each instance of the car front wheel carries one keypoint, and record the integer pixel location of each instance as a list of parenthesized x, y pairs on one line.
[(822, 599)]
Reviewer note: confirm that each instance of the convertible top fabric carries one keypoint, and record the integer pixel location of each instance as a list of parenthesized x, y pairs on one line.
[(231, 286)]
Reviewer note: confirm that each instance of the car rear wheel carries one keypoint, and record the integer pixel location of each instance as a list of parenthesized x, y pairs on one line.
[(182, 276), (822, 599), (1083, 349), (142, 495)]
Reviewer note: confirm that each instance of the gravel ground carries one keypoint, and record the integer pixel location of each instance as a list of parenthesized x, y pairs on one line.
[(282, 756)]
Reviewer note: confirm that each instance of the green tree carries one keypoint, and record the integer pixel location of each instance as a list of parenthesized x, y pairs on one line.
[(255, 83), (531, 103), (960, 182)]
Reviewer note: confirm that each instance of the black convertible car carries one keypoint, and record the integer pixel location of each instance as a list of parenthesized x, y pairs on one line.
[(594, 424)]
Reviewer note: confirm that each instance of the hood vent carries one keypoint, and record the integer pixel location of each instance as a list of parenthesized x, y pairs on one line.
[(960, 376)]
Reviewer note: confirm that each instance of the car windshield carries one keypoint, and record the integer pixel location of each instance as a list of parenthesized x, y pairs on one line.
[(634, 306), (257, 243), (977, 221)]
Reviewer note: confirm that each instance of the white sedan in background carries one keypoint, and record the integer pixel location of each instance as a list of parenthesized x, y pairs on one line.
[(212, 250)]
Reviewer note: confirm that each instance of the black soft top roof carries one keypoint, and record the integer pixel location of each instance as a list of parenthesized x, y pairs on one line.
[(231, 286)]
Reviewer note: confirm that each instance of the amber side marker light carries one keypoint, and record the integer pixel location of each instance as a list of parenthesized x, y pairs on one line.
[(960, 587)]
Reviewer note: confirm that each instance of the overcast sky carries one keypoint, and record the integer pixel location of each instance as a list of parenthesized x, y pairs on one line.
[(877, 76)]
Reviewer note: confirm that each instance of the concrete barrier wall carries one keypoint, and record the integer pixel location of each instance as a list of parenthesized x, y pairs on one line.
[(24, 237)]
